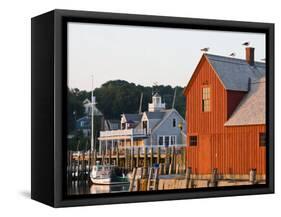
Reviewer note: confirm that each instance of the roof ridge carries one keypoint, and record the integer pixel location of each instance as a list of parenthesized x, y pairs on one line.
[(231, 58), (162, 120)]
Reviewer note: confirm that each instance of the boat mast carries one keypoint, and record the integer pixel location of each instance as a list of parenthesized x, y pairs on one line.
[(92, 111), (140, 108), (174, 98)]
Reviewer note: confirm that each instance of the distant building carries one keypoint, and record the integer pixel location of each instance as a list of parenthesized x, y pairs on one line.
[(156, 127), (225, 112), (84, 123), (88, 108), (111, 124)]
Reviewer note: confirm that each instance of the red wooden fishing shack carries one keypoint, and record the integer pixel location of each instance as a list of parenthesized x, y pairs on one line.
[(225, 115)]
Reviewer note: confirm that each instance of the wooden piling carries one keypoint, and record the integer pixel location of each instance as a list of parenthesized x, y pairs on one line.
[(158, 155), (151, 157), (132, 158), (83, 166), (166, 160), (137, 184), (145, 158), (138, 157), (72, 166), (156, 179), (77, 166), (126, 159), (160, 169), (133, 180), (213, 181), (89, 162), (117, 157), (183, 157), (173, 159), (149, 178), (143, 184), (110, 155), (187, 176), (177, 168), (69, 163), (95, 157), (253, 176), (170, 169), (144, 173)]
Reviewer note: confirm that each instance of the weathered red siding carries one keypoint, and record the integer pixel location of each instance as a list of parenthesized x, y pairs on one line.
[(232, 150)]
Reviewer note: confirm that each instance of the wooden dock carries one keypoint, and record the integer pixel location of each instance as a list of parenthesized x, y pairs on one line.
[(172, 157), (150, 169)]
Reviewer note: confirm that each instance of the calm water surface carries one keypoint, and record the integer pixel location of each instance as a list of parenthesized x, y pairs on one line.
[(84, 187)]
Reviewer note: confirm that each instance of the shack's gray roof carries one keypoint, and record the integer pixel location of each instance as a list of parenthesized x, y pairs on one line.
[(133, 117), (251, 109), (235, 73)]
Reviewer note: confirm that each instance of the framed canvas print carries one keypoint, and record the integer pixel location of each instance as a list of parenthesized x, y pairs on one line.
[(135, 108)]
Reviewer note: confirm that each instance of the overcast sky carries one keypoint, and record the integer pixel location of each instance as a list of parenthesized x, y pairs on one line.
[(145, 55)]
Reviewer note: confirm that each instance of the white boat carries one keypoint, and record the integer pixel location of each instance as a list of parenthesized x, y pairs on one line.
[(107, 175)]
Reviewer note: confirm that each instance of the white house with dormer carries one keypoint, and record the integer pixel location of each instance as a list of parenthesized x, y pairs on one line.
[(153, 128)]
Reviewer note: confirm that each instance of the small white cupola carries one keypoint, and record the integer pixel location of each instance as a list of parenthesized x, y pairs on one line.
[(156, 104)]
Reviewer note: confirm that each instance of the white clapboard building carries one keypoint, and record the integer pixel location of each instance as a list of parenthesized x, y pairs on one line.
[(153, 128)]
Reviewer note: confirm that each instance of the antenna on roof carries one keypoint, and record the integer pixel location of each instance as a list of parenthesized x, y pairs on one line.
[(156, 90), (174, 99), (140, 103)]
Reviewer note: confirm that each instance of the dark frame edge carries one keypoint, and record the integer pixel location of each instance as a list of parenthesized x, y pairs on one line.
[(270, 106), (42, 63)]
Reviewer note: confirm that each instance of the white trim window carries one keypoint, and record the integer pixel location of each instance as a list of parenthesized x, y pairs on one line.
[(160, 140), (167, 140), (174, 122), (173, 140)]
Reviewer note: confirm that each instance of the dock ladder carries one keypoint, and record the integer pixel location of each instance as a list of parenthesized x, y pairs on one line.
[(153, 176)]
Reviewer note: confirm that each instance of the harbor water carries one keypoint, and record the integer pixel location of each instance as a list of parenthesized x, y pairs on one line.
[(85, 187)]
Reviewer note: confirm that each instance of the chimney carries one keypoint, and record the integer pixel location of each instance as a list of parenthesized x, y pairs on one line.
[(250, 55)]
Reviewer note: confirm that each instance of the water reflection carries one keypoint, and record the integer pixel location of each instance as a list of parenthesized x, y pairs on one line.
[(84, 187), (97, 189)]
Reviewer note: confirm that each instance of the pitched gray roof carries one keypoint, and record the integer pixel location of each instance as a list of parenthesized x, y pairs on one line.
[(156, 94), (133, 117), (155, 115), (251, 109), (235, 73), (167, 113)]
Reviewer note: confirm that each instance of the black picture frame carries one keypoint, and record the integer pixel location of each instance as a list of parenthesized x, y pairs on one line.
[(48, 75)]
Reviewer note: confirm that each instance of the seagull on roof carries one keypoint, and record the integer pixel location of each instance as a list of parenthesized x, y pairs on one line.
[(247, 43), (232, 54), (205, 49)]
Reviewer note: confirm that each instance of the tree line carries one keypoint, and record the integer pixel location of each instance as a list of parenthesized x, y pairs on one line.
[(118, 96)]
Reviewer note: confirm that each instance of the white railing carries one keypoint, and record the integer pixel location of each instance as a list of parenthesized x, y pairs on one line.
[(125, 132), (178, 148)]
